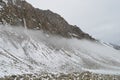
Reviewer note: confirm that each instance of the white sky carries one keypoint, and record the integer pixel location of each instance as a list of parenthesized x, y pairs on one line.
[(99, 18)]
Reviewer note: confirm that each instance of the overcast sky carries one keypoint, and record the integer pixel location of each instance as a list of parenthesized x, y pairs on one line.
[(99, 18)]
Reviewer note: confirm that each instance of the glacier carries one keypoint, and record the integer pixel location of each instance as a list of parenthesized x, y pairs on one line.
[(24, 51)]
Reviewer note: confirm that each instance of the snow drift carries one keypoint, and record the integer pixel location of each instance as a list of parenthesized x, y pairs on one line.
[(31, 51)]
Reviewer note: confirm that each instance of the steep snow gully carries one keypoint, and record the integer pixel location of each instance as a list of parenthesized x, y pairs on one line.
[(31, 51)]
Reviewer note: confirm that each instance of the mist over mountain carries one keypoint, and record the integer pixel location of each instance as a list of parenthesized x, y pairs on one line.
[(34, 41), (14, 13)]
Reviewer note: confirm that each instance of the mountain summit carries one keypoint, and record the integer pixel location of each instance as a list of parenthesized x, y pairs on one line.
[(14, 12)]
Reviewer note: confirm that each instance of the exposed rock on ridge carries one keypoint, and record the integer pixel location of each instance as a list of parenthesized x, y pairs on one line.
[(14, 11)]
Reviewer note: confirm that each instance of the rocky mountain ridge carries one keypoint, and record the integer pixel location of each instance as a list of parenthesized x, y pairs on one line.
[(14, 12), (116, 46)]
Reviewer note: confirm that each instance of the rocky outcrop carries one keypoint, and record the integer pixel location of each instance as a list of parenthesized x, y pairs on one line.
[(15, 12), (71, 76), (116, 46)]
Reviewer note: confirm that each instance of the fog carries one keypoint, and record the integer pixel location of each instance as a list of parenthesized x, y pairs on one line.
[(89, 55), (56, 41), (99, 18)]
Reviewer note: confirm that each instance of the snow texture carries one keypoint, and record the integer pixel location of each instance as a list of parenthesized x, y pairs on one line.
[(32, 51)]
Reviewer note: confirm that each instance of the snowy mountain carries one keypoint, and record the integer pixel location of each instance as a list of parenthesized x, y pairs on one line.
[(40, 52), (47, 43)]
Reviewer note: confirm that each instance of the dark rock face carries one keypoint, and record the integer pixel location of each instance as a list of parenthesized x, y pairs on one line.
[(116, 46), (14, 12)]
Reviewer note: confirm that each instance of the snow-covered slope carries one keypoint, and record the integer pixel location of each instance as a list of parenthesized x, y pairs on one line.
[(29, 51)]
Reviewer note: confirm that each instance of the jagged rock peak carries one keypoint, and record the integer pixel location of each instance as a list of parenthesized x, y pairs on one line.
[(14, 11)]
